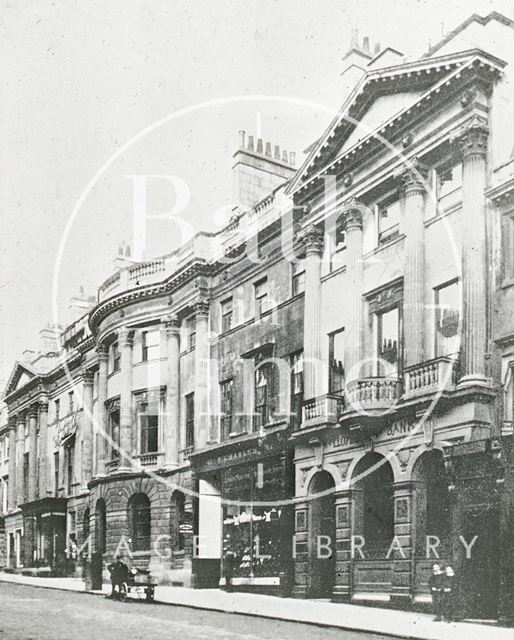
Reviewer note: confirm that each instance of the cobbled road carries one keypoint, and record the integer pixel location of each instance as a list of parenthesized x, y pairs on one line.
[(33, 613)]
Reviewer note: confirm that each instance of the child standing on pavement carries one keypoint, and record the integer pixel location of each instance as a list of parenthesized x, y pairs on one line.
[(435, 585)]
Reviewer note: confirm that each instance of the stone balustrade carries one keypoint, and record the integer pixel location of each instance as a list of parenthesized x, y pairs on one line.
[(430, 376), (373, 394), (150, 459), (322, 410)]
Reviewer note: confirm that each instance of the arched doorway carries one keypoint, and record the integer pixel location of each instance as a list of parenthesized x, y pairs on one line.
[(100, 526), (432, 517), (374, 514), (322, 535), (177, 518), (432, 504)]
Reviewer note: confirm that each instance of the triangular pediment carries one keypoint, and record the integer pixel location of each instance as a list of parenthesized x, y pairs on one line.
[(378, 99), (20, 376), (382, 109)]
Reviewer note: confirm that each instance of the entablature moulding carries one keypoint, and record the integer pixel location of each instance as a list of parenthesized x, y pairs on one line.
[(369, 184)]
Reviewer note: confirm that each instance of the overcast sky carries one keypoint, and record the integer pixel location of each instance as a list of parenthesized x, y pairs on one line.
[(82, 78)]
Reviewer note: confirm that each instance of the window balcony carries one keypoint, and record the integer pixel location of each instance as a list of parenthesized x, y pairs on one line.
[(373, 394), (322, 410), (113, 464), (431, 376), (150, 459)]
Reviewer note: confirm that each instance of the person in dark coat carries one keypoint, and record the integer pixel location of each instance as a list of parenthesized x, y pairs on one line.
[(119, 574), (435, 585), (448, 588), (229, 564)]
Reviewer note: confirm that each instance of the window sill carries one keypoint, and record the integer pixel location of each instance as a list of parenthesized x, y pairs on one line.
[(382, 247)]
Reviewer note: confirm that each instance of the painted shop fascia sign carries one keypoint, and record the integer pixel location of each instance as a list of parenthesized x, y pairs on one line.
[(259, 449), (351, 439), (66, 427)]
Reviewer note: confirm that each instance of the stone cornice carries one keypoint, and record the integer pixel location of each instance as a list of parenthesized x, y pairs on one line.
[(147, 292)]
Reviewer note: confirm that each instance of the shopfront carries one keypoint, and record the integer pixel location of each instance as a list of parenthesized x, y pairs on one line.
[(244, 517)]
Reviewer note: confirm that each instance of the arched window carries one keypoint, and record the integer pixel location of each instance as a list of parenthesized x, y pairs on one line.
[(139, 519), (85, 525), (100, 526)]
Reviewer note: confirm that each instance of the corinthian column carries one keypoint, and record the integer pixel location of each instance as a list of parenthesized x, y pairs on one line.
[(20, 453), (125, 341), (201, 373), (172, 421), (413, 182), (44, 465), (312, 239), (32, 420), (12, 466), (473, 145), (101, 417), (354, 275), (87, 428)]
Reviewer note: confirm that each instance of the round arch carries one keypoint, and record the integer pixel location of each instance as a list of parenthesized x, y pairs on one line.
[(100, 526), (139, 519), (373, 479), (321, 534)]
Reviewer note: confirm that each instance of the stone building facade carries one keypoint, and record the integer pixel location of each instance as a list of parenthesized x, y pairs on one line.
[(325, 387)]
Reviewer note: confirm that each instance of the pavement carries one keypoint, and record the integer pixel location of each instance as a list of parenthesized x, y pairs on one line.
[(402, 624)]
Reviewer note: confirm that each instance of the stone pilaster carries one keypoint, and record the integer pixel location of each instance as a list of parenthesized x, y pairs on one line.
[(202, 430), (87, 428), (342, 546), (402, 560), (473, 146), (12, 466), (413, 183), (125, 342), (44, 465), (172, 421), (300, 550), (312, 239), (20, 452), (32, 416), (354, 275), (101, 418)]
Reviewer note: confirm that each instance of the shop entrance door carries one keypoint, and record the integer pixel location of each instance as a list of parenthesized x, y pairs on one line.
[(322, 535)]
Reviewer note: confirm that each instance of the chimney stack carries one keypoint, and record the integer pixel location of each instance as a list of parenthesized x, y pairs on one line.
[(258, 170)]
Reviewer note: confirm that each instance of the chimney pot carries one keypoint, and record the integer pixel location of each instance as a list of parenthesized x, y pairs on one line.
[(268, 149), (242, 135), (277, 152), (250, 143), (377, 48), (284, 156), (292, 158), (259, 145), (365, 43)]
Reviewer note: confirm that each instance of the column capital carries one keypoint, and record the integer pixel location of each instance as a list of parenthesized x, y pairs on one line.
[(201, 308), (103, 352), (21, 417), (125, 337), (353, 211), (472, 137), (32, 411), (171, 324), (88, 377), (43, 404), (312, 239), (413, 177)]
